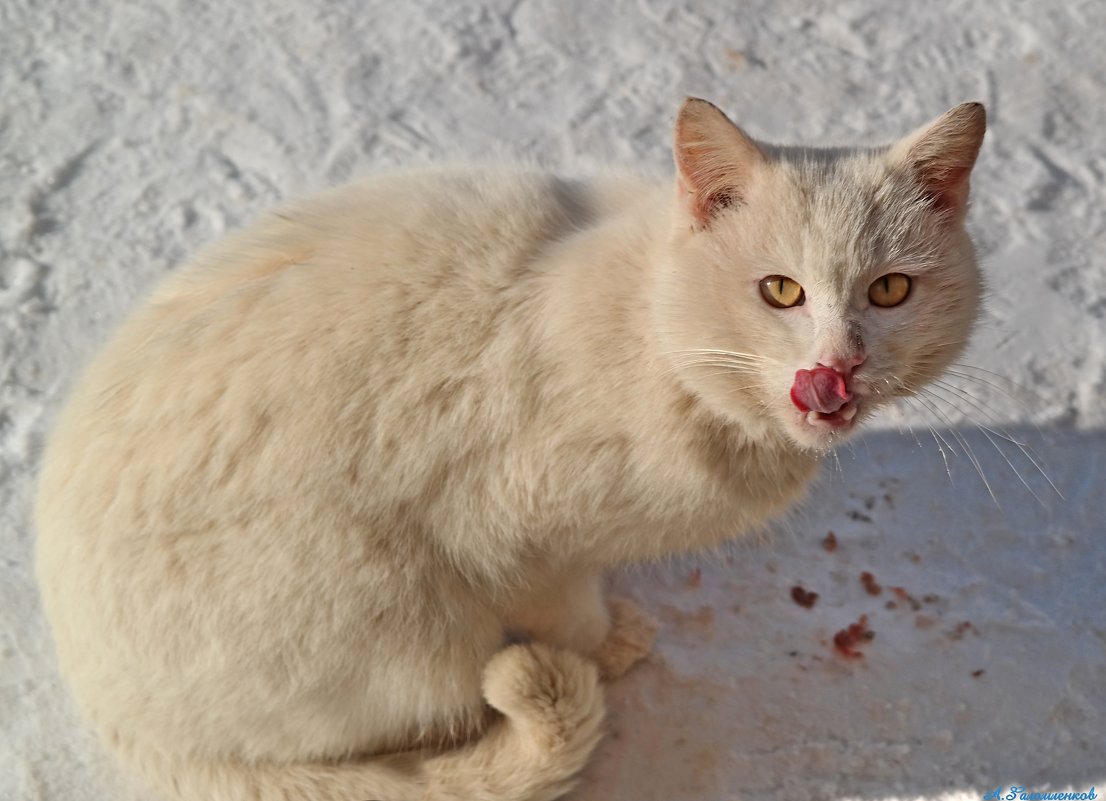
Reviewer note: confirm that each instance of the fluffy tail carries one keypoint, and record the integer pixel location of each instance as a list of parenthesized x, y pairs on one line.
[(553, 713)]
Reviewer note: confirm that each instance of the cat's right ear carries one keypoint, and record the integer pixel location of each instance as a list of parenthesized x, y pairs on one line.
[(715, 160)]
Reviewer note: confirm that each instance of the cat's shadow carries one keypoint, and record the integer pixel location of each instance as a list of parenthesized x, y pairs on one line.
[(987, 668)]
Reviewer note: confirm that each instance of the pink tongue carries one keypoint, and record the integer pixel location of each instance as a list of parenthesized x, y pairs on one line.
[(819, 390)]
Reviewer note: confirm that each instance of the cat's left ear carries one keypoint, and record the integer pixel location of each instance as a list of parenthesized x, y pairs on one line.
[(941, 155), (715, 160)]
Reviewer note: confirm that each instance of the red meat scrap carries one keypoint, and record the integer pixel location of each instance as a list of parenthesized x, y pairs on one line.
[(858, 633), (803, 597)]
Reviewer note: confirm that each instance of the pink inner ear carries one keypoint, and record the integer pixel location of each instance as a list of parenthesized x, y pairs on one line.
[(703, 187), (947, 187), (705, 206)]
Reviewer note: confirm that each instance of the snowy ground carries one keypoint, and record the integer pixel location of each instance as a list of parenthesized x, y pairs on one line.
[(132, 133)]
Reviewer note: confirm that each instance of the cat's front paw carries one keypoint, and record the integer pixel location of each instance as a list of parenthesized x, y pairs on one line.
[(629, 641)]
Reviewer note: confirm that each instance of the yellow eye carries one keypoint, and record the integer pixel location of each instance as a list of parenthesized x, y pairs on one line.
[(781, 292), (889, 290)]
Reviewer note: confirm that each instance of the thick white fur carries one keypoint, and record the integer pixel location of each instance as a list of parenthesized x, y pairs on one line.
[(291, 510)]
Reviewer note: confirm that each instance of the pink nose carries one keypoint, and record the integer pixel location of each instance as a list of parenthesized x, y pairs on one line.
[(843, 364), (820, 390)]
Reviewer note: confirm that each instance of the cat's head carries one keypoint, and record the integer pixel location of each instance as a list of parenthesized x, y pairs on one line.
[(805, 287)]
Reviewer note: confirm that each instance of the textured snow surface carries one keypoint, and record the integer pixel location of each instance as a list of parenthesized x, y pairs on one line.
[(133, 133)]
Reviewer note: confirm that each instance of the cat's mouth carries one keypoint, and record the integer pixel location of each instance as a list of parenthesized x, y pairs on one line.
[(824, 399), (840, 419)]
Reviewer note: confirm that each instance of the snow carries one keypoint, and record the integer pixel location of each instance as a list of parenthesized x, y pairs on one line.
[(133, 133)]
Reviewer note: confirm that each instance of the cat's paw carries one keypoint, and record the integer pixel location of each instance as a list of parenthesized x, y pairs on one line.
[(629, 641)]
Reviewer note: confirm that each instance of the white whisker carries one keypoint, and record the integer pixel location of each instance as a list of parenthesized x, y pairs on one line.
[(927, 400), (998, 377), (940, 441), (987, 431), (730, 366), (719, 352)]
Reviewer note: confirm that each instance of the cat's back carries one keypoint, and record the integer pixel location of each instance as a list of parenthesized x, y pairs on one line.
[(417, 228), (291, 353)]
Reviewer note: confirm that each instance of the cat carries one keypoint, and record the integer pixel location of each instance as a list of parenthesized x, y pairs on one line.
[(327, 518)]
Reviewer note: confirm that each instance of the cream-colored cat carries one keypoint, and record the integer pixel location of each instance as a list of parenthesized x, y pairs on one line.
[(294, 511)]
